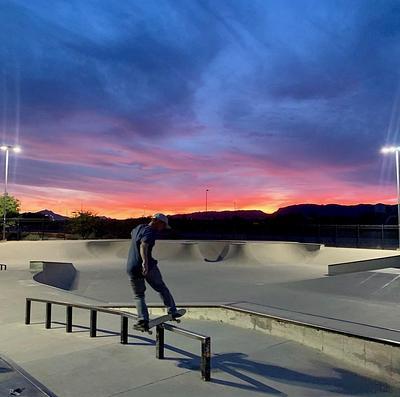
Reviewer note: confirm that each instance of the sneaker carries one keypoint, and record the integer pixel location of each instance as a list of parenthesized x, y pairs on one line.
[(175, 315), (141, 325)]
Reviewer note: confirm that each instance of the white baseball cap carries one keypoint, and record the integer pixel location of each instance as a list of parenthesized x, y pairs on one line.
[(162, 218)]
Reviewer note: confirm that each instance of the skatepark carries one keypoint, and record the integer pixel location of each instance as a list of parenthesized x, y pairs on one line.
[(284, 319)]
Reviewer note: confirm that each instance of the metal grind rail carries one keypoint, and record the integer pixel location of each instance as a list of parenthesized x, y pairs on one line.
[(205, 365)]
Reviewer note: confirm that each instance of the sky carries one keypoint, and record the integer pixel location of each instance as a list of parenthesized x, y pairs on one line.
[(131, 107)]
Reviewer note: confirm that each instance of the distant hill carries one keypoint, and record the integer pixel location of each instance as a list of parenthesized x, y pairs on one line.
[(309, 213), (301, 213), (50, 215), (366, 213), (222, 215)]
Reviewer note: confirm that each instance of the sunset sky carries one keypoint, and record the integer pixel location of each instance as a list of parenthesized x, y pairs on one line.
[(131, 107)]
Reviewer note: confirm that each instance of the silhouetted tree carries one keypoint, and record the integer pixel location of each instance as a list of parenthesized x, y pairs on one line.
[(84, 223), (12, 205)]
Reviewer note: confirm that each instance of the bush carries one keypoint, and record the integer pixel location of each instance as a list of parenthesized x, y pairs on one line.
[(31, 237)]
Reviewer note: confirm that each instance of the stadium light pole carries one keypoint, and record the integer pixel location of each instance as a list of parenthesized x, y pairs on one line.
[(6, 149), (395, 150)]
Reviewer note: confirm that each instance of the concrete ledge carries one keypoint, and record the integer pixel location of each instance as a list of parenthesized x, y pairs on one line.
[(364, 265), (56, 274), (17, 378), (378, 357)]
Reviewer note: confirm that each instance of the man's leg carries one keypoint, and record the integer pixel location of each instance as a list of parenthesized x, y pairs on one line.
[(139, 288), (155, 280)]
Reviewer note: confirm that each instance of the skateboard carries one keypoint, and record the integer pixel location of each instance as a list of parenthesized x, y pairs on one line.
[(161, 320)]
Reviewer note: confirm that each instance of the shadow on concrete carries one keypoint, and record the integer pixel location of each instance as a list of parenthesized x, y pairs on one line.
[(223, 363), (251, 375), (243, 371)]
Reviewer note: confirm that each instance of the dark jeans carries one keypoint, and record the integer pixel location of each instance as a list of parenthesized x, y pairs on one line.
[(154, 279)]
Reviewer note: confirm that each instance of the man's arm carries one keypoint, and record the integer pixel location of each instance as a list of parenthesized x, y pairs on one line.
[(144, 253)]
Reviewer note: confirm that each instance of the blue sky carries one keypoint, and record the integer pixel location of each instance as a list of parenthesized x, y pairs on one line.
[(131, 106)]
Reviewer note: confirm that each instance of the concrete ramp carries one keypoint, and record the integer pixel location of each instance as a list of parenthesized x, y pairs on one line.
[(267, 253), (178, 251), (214, 251), (108, 248), (368, 286), (262, 253), (284, 252), (364, 265), (89, 255), (56, 274)]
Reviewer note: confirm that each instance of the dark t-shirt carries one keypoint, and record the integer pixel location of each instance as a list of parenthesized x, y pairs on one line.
[(141, 233)]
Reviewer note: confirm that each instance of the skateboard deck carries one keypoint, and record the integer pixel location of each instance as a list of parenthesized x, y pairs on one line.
[(161, 320)]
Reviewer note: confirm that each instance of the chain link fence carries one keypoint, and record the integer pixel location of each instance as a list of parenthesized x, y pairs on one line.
[(360, 236)]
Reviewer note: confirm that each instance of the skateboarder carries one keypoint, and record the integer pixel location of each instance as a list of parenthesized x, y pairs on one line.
[(141, 267)]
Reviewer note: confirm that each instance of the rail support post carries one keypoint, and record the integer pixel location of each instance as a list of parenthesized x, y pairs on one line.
[(124, 330), (68, 322), (160, 342), (93, 323), (48, 315), (206, 359), (28, 307)]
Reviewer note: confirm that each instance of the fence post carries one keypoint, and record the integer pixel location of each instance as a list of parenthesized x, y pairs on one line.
[(48, 315), (159, 342), (336, 233), (124, 330), (68, 322), (93, 323), (358, 236), (28, 307), (206, 359)]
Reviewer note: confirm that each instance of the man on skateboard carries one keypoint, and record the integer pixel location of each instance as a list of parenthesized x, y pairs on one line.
[(142, 268)]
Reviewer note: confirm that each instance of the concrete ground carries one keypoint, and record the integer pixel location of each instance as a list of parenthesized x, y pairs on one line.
[(275, 278), (14, 383), (243, 361)]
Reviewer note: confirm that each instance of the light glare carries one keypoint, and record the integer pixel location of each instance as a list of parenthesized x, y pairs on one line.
[(390, 149), (15, 149)]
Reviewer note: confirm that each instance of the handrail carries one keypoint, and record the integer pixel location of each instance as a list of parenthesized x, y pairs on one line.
[(205, 365)]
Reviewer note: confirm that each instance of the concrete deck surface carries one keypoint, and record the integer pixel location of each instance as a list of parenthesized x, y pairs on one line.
[(286, 277), (244, 361)]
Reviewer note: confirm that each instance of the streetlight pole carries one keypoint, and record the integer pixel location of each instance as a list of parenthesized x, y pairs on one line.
[(398, 192), (207, 200), (396, 150), (6, 149), (5, 195)]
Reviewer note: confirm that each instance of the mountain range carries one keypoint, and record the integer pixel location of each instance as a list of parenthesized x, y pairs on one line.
[(360, 213)]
